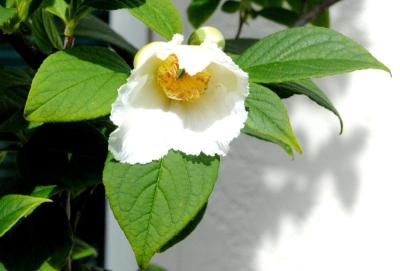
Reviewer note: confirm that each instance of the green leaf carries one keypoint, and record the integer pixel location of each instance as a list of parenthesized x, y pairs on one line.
[(14, 85), (311, 90), (238, 46), (161, 16), (45, 32), (200, 11), (15, 207), (76, 84), (154, 202), (6, 14), (94, 28), (323, 19), (57, 7), (113, 4), (279, 15), (231, 6), (45, 191), (296, 5), (40, 242), (187, 230), (69, 155), (304, 52), (269, 3), (268, 119), (81, 250)]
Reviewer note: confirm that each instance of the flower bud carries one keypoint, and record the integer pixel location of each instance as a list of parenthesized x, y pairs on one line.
[(207, 34)]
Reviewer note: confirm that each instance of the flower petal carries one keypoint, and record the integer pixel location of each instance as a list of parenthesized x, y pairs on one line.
[(150, 124)]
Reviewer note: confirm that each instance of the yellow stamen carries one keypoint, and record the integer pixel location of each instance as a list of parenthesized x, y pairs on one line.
[(177, 84)]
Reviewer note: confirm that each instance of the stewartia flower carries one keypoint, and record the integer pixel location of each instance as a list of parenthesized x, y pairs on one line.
[(188, 98)]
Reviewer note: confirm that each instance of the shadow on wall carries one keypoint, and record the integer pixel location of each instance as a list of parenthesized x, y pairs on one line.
[(260, 187)]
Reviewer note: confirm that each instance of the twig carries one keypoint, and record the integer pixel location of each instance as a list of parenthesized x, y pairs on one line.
[(315, 12), (242, 20), (68, 266), (32, 56)]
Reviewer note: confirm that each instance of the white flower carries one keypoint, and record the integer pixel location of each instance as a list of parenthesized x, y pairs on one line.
[(188, 98)]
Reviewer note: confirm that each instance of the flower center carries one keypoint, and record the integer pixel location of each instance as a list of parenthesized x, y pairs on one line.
[(179, 85)]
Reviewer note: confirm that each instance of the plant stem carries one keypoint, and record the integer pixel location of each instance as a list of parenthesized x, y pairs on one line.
[(31, 55), (68, 266), (242, 20), (315, 12), (69, 42)]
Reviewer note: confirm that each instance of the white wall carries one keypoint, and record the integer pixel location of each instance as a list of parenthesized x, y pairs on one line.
[(336, 207)]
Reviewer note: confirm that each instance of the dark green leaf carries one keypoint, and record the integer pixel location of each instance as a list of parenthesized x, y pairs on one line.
[(76, 84), (231, 6), (268, 119), (304, 52), (46, 191), (154, 202), (40, 242), (15, 207), (238, 46), (94, 28), (14, 85), (69, 155), (161, 16), (279, 15), (269, 3), (81, 250), (200, 11), (114, 4), (45, 32), (311, 90)]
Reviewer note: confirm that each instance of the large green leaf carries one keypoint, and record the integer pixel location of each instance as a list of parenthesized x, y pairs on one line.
[(161, 16), (15, 207), (94, 28), (154, 202), (311, 90), (76, 84), (200, 10), (268, 119), (302, 53)]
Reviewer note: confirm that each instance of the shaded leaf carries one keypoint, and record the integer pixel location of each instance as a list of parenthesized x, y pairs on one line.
[(45, 32), (43, 243), (94, 28), (200, 11), (311, 90), (15, 207), (81, 250)]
